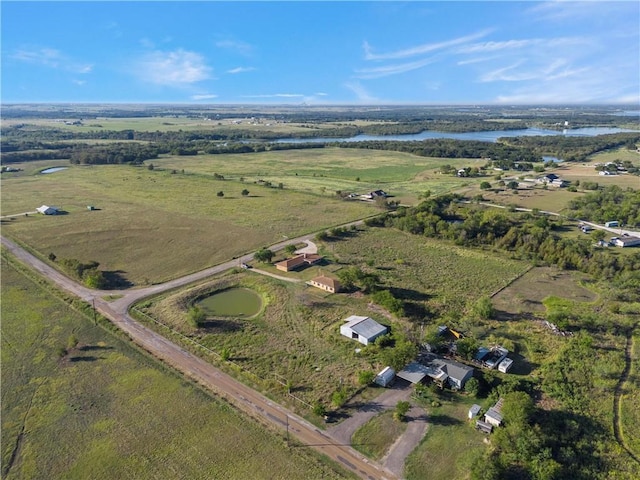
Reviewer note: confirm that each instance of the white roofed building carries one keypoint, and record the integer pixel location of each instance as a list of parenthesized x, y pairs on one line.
[(363, 329)]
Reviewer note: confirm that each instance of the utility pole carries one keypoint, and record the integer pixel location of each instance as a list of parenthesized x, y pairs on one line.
[(93, 302)]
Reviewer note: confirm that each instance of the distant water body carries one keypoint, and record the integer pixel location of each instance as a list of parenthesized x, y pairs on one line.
[(487, 136)]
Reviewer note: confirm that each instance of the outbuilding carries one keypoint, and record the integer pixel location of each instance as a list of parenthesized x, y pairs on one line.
[(505, 365), (47, 210), (363, 329), (385, 377), (626, 241), (474, 411)]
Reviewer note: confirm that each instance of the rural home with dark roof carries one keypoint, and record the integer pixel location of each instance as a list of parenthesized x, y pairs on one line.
[(458, 373)]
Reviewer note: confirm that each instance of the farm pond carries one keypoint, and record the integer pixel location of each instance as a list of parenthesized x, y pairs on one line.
[(232, 302)]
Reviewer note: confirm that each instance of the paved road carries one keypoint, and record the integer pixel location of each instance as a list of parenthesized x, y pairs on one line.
[(248, 400)]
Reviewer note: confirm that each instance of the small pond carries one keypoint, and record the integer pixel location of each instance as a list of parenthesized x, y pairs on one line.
[(53, 169), (233, 302)]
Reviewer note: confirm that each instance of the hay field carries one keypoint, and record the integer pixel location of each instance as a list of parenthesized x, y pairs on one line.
[(152, 226), (107, 411)]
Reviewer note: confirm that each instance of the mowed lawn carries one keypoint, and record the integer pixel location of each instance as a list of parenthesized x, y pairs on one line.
[(325, 170), (151, 226), (107, 411)]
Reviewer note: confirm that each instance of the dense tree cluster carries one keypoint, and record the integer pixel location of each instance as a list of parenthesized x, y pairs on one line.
[(527, 236), (133, 153), (573, 149), (610, 203)]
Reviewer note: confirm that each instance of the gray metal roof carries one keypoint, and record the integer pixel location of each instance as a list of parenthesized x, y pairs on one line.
[(366, 327), (454, 369)]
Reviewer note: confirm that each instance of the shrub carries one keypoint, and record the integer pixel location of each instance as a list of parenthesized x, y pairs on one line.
[(366, 377)]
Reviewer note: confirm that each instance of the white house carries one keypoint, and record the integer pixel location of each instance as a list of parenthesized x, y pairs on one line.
[(363, 329), (47, 210)]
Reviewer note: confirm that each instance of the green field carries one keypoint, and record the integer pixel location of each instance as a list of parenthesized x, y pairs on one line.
[(431, 274), (107, 411), (151, 226), (326, 170)]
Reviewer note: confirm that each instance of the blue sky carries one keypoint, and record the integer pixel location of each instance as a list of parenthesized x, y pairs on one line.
[(321, 52)]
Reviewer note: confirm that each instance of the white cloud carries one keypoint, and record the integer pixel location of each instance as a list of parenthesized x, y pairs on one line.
[(574, 11), (203, 96), (420, 49), (175, 68), (242, 48), (240, 70), (362, 94), (52, 58), (377, 72)]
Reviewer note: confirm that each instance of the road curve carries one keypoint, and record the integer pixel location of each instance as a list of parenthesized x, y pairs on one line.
[(243, 397)]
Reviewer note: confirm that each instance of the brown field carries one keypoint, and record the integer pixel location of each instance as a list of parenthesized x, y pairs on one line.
[(152, 226), (527, 292)]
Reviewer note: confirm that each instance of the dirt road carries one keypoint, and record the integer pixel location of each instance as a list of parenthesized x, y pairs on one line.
[(243, 397)]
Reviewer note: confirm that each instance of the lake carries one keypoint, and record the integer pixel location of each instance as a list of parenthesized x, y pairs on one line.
[(486, 136)]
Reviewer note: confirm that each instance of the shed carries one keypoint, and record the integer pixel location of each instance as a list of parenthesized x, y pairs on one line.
[(505, 365), (363, 329), (385, 377), (484, 426), (493, 417), (47, 210), (474, 410)]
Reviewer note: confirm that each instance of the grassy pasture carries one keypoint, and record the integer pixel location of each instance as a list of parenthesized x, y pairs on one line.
[(630, 402), (172, 124), (296, 337), (107, 411), (621, 153), (436, 275), (527, 292), (152, 226), (323, 171)]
